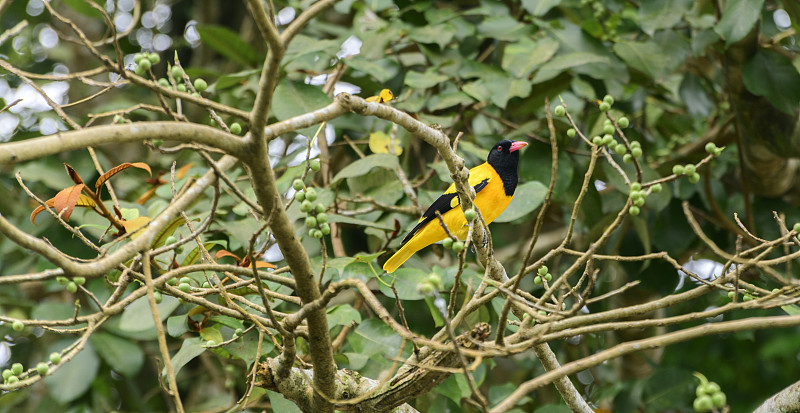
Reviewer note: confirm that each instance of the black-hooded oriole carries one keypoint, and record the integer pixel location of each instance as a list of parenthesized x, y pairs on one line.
[(494, 182)]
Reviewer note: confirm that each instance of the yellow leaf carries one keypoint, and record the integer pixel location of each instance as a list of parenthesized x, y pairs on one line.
[(383, 97), (134, 224), (380, 142)]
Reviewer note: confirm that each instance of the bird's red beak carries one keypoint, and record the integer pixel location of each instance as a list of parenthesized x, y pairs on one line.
[(515, 146)]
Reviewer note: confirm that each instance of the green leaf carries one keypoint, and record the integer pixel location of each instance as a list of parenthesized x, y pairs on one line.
[(406, 282), (343, 219), (233, 79), (81, 7), (527, 198), (646, 57), (281, 404), (502, 27), (424, 80), (564, 62), (342, 315), (454, 388), (123, 355), (522, 58), (177, 325), (245, 347), (440, 34), (661, 14), (381, 70), (365, 164), (227, 43), (74, 378), (771, 75), (539, 8), (137, 319), (791, 309), (296, 98), (667, 388), (738, 19), (438, 320), (194, 254), (191, 348), (373, 337)]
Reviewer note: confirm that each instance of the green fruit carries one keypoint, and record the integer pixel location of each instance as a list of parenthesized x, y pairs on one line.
[(731, 294), (154, 58), (315, 165), (425, 288), (711, 148), (322, 218), (211, 343), (627, 158), (608, 128), (620, 149), (239, 332), (678, 169), (657, 188), (748, 297), (65, 280), (236, 128), (7, 373), (138, 58), (157, 142), (436, 280), (79, 280), (604, 107), (608, 99), (597, 140), (548, 277), (55, 358), (634, 210), (140, 70), (158, 297), (694, 178), (636, 152), (299, 196), (796, 227), (703, 404), (623, 122), (712, 388), (163, 82), (170, 240), (325, 229), (571, 132), (184, 287), (195, 94), (18, 325), (311, 194), (297, 184), (636, 186), (206, 285), (315, 233), (542, 312), (177, 72), (72, 287), (311, 222), (200, 85), (470, 214), (145, 64), (305, 206), (319, 208), (638, 202), (17, 369), (172, 281), (181, 88), (560, 110), (543, 270), (537, 280), (719, 399), (607, 139), (447, 243), (458, 246), (13, 380), (179, 249), (42, 369), (185, 280), (689, 169)]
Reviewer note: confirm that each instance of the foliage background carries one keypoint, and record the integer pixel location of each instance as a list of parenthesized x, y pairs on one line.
[(685, 73)]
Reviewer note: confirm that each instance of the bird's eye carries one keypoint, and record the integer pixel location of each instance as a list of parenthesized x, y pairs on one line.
[(499, 148)]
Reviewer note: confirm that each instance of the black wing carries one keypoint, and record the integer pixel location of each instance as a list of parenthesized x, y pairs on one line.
[(444, 203)]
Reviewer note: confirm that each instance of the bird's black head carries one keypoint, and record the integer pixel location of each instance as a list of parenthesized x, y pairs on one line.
[(504, 158)]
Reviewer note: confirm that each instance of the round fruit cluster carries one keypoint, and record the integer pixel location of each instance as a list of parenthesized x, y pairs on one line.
[(709, 396), (316, 218), (543, 274)]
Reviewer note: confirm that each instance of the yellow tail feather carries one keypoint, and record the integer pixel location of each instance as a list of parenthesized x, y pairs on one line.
[(399, 258)]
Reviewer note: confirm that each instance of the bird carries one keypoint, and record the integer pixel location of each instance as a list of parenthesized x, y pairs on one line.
[(494, 181)]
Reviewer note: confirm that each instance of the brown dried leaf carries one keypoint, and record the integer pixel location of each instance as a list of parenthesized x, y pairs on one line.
[(121, 167), (180, 173), (133, 225), (64, 201), (262, 264), (83, 201), (73, 174), (226, 253), (147, 195)]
